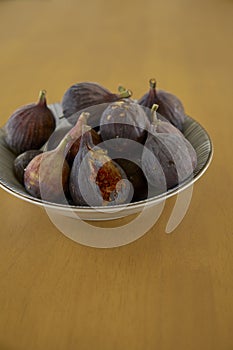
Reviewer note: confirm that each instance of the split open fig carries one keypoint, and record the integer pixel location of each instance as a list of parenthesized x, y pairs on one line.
[(95, 180)]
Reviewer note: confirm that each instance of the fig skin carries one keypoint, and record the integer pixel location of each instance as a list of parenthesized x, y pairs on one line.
[(174, 154), (21, 162), (170, 106), (85, 95), (126, 120), (56, 137), (98, 181), (30, 126)]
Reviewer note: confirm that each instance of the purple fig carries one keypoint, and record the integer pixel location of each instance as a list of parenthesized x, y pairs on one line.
[(170, 106), (85, 95), (173, 153), (30, 126)]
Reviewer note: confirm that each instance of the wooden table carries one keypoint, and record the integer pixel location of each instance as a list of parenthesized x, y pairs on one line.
[(162, 291)]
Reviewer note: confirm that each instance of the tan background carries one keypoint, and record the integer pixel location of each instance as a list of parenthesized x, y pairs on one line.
[(162, 291)]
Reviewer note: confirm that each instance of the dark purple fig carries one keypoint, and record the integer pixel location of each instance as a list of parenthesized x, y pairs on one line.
[(21, 162), (136, 176), (59, 134), (170, 106), (159, 126), (173, 153), (124, 120), (30, 126), (87, 94), (96, 180)]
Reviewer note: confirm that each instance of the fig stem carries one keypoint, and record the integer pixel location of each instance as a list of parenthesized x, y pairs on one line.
[(121, 88), (154, 107), (42, 97), (152, 83), (123, 92), (154, 114)]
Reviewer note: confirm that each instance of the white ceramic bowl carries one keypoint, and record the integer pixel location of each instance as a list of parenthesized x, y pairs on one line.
[(193, 131), (71, 220)]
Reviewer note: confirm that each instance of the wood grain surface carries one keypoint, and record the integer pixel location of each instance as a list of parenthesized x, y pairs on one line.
[(162, 291)]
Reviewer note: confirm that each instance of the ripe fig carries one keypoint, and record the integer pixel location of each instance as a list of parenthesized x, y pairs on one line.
[(47, 175), (170, 106), (173, 153), (124, 120), (87, 94), (159, 126), (21, 162), (30, 126), (95, 180)]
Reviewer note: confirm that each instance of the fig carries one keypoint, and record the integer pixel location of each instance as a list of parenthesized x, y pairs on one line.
[(87, 94), (96, 180), (58, 135), (21, 162), (47, 175), (30, 126), (124, 120), (173, 153), (170, 106), (159, 126)]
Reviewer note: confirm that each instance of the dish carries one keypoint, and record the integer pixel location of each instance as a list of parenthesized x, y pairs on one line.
[(193, 131)]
